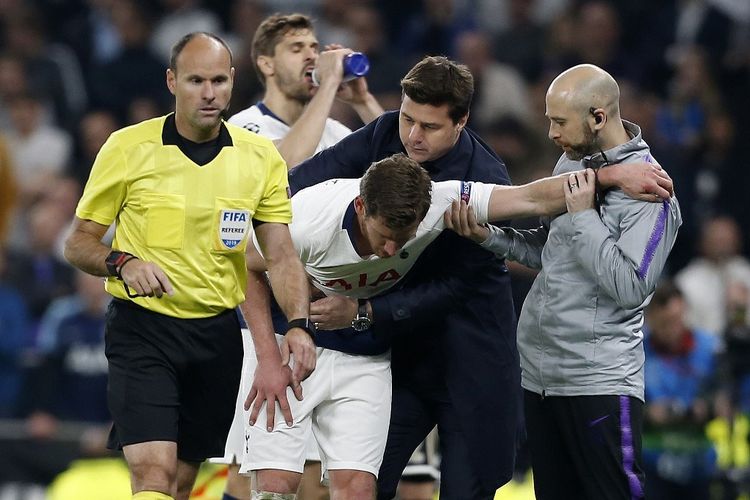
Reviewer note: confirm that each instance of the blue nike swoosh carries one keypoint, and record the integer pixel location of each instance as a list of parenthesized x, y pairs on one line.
[(597, 420)]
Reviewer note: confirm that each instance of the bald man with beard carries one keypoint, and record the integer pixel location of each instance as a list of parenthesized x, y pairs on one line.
[(579, 333)]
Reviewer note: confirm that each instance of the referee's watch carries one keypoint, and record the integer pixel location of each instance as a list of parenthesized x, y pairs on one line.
[(303, 323), (115, 261), (362, 321)]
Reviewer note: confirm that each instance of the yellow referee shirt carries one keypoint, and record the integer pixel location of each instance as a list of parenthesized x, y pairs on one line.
[(191, 220)]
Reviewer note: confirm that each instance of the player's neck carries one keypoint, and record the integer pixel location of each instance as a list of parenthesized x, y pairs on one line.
[(289, 110)]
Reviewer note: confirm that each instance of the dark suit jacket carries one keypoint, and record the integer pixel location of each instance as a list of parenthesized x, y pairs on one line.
[(451, 321)]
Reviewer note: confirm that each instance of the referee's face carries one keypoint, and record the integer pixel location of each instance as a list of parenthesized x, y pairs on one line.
[(202, 86)]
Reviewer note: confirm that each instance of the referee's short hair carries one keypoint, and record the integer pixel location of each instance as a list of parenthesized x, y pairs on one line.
[(182, 42), (397, 189)]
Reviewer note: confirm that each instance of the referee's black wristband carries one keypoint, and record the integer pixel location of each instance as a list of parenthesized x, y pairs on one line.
[(303, 323), (116, 260)]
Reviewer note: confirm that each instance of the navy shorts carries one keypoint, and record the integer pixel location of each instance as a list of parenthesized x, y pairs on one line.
[(172, 379), (585, 447)]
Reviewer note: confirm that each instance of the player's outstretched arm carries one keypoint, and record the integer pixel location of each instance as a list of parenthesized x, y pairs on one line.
[(640, 180)]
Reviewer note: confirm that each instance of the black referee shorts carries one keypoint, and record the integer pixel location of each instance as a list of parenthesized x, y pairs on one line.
[(172, 379)]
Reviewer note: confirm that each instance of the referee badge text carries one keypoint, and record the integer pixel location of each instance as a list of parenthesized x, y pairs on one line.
[(233, 226)]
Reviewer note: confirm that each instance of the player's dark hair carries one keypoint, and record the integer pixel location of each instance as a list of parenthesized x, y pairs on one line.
[(436, 80), (271, 31), (397, 189), (182, 42)]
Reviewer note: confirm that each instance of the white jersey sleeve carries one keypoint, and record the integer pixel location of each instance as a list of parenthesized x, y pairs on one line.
[(476, 194)]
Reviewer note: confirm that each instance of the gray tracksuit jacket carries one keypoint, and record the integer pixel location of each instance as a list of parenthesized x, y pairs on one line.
[(580, 327)]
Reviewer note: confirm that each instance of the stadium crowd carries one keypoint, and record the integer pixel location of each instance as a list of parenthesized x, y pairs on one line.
[(73, 71)]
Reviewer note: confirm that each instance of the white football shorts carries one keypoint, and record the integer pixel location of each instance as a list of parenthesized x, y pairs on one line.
[(234, 448), (346, 406)]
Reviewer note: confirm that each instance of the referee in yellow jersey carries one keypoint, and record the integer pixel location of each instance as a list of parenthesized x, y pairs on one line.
[(185, 190)]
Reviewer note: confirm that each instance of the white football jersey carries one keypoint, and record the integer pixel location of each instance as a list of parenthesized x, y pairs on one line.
[(259, 119), (320, 235)]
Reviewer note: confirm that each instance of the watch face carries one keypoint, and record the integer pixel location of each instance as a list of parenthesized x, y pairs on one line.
[(361, 323)]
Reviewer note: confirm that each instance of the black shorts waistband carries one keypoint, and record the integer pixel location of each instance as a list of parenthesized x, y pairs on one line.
[(129, 303)]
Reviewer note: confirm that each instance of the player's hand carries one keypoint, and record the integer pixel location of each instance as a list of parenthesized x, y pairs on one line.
[(580, 190), (298, 343), (145, 278), (269, 386), (333, 312), (460, 217), (330, 67), (644, 181), (354, 91)]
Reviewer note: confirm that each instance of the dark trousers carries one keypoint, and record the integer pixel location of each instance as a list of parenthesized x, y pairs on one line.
[(585, 447), (413, 414)]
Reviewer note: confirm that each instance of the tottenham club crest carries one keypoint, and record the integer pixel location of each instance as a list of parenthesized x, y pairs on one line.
[(233, 226)]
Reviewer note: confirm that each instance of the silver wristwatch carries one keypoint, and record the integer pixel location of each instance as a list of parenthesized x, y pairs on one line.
[(362, 320)]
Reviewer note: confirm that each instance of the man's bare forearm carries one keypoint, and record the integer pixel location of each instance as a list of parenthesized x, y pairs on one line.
[(84, 249), (290, 286), (369, 109), (639, 180), (540, 197), (257, 312), (285, 271)]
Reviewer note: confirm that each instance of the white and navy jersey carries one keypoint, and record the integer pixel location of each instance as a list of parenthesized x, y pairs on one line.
[(261, 120), (321, 231)]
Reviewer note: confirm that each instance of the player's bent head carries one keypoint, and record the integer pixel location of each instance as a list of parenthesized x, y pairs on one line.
[(398, 190), (437, 80)]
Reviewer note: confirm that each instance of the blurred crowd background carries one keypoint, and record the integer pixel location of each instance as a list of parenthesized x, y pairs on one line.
[(73, 71)]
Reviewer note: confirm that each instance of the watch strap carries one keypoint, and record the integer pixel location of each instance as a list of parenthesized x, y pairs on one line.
[(362, 309), (115, 260), (362, 320), (303, 323)]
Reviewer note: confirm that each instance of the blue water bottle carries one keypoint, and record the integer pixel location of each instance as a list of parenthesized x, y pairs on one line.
[(355, 64)]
